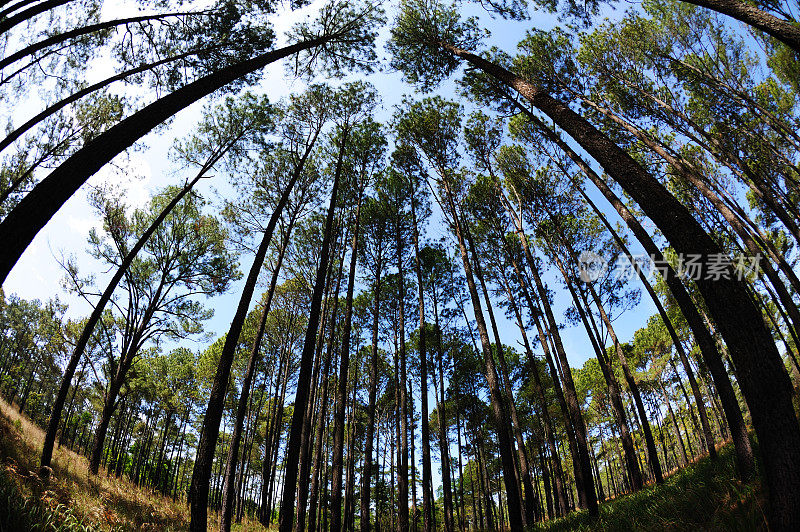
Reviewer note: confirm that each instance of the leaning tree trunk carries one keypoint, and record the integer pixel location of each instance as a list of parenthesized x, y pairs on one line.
[(524, 477), (652, 453), (344, 364), (787, 32), (583, 468), (762, 375), (198, 492), (226, 513), (306, 363), (745, 460), (497, 400), (33, 212), (97, 312), (29, 13), (77, 95), (676, 341), (629, 451), (82, 30), (561, 501)]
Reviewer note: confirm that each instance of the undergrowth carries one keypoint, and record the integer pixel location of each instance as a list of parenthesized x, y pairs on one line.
[(705, 495), (70, 500)]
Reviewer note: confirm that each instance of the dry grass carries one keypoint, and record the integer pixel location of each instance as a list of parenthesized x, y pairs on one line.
[(74, 500)]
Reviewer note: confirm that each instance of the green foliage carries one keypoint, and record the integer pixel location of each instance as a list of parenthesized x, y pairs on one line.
[(417, 35), (349, 31)]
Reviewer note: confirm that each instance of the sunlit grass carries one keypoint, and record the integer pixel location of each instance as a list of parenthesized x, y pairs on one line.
[(72, 500), (704, 496)]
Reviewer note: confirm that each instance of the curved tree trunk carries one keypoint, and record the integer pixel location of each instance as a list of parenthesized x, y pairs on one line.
[(226, 513), (762, 375), (97, 312), (524, 476), (745, 460), (33, 212), (198, 492), (77, 95), (29, 13), (785, 31)]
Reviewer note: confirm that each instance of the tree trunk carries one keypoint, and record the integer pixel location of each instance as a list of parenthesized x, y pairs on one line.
[(198, 492), (499, 410), (241, 409), (745, 460), (367, 474), (22, 224), (698, 398), (306, 363), (344, 364), (785, 31), (427, 480), (97, 312), (29, 13)]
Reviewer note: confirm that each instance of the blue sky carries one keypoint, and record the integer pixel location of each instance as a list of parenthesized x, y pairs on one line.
[(38, 274)]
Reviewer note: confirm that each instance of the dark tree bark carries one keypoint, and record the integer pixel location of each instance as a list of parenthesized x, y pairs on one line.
[(29, 13), (787, 32), (33, 212), (226, 513), (762, 376), (745, 460), (341, 392), (367, 474), (499, 409), (198, 492), (306, 363)]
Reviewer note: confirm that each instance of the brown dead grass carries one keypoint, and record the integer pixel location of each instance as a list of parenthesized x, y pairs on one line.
[(99, 502)]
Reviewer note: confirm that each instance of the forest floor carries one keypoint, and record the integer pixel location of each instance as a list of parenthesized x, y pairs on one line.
[(705, 495), (70, 501)]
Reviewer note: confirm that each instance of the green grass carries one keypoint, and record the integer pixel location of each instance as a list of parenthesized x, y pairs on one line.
[(704, 496)]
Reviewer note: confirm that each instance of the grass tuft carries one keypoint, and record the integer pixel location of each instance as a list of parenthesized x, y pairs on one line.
[(705, 495), (72, 500)]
